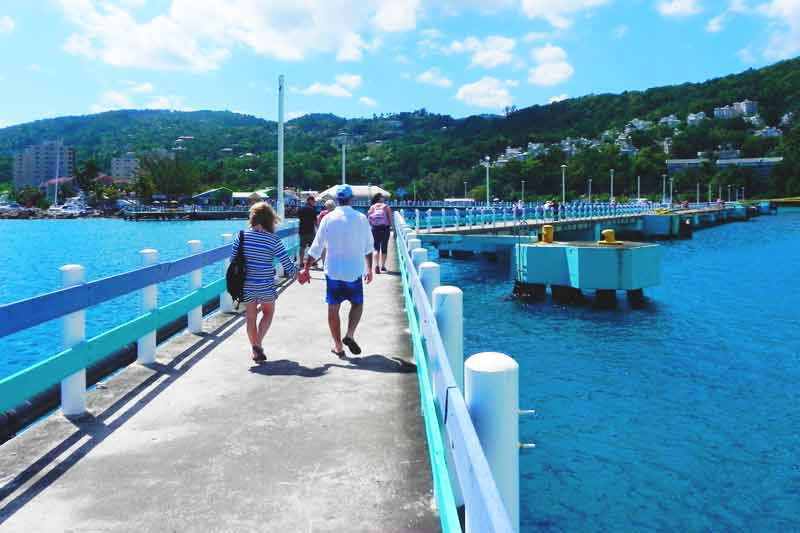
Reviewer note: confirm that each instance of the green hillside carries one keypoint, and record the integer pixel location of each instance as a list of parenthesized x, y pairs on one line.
[(439, 153)]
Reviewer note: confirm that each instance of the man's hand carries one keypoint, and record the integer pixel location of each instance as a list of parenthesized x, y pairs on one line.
[(368, 277), (304, 277)]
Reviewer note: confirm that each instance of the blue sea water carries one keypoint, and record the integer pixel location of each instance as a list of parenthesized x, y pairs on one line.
[(683, 416), (33, 250)]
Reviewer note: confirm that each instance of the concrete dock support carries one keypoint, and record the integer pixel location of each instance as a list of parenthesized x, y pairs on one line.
[(225, 300), (418, 256), (73, 388), (195, 316), (414, 243), (491, 392), (148, 300), (430, 277)]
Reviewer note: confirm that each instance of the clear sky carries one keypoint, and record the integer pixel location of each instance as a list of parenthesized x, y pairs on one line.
[(359, 57)]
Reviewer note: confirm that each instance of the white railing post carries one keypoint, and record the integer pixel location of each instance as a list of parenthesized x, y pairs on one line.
[(429, 217), (148, 300), (73, 387), (416, 219), (195, 316), (444, 218), (458, 216), (430, 277), (418, 256), (448, 307), (491, 392), (413, 243), (225, 300)]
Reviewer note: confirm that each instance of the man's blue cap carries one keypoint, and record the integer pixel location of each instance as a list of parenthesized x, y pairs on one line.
[(343, 192)]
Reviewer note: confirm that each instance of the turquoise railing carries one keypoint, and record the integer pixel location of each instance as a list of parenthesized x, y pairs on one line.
[(24, 384), (447, 421)]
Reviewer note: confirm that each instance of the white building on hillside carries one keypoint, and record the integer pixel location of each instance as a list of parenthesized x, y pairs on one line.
[(769, 132), (746, 107), (126, 166), (670, 121), (694, 119), (725, 112)]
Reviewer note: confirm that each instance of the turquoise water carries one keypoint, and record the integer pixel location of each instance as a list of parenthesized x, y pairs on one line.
[(680, 417), (33, 250)]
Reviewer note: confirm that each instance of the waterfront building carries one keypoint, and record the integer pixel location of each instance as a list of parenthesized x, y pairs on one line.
[(745, 108), (727, 152), (694, 119), (126, 167), (670, 121), (725, 112), (675, 166), (41, 162), (762, 165)]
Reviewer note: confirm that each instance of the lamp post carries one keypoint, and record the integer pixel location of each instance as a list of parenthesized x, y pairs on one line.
[(709, 193), (563, 184), (590, 190), (663, 188), (279, 196), (486, 163), (523, 191), (612, 186), (638, 188), (671, 181), (343, 137), (465, 189), (698, 193), (729, 193), (743, 193)]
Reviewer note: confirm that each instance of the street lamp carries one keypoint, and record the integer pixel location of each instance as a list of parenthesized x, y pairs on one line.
[(743, 193), (343, 137), (729, 193), (611, 199), (590, 190), (486, 163), (465, 189), (670, 191), (523, 191), (663, 189), (563, 184)]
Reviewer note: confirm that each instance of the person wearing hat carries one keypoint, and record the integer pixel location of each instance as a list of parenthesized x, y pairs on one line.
[(345, 236)]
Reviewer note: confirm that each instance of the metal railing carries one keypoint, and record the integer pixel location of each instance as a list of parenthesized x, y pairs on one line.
[(447, 421), (18, 316)]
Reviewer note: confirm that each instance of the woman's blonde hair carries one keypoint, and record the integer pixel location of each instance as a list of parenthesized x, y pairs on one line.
[(330, 205), (262, 214)]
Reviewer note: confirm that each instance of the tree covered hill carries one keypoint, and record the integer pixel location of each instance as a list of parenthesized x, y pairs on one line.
[(438, 152)]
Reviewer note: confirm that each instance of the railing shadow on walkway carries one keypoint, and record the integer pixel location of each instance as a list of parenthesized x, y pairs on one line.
[(372, 363), (97, 430)]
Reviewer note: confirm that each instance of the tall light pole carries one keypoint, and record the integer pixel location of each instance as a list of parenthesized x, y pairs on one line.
[(58, 171), (523, 191), (709, 192), (671, 181), (698, 192), (590, 190), (743, 193), (279, 195), (729, 193), (638, 188), (612, 186), (486, 163), (465, 189), (563, 184), (663, 188), (344, 158)]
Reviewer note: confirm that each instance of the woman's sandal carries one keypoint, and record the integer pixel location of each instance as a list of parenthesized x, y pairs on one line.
[(341, 355), (258, 354)]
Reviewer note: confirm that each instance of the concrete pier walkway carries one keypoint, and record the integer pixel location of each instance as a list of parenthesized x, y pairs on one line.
[(205, 441)]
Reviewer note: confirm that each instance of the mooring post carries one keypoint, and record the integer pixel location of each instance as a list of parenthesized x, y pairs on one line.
[(73, 387), (195, 316), (430, 277), (414, 243), (225, 300), (148, 300), (418, 256), (491, 392)]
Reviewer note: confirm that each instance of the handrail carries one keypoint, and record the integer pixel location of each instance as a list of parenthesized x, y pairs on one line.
[(24, 314), (24, 384), (481, 496)]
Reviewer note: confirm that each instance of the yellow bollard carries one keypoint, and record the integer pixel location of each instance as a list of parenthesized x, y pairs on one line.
[(609, 238), (547, 234)]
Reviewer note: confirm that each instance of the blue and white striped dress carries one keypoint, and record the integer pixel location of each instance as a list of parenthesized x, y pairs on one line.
[(260, 250)]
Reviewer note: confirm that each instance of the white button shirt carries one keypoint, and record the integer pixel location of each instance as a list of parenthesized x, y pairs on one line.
[(347, 237)]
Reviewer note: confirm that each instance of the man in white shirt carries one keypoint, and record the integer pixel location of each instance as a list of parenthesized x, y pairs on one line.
[(347, 237)]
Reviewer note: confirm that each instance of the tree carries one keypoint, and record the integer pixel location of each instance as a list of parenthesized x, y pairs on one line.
[(87, 174), (171, 177)]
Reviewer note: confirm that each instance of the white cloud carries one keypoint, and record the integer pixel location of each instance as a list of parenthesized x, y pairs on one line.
[(34, 67), (431, 33), (784, 17), (166, 102), (402, 59), (433, 76), (678, 8), (746, 55), (145, 87), (620, 31), (538, 36), (291, 115), (552, 66), (350, 81), (199, 35), (487, 92), (6, 24), (558, 13), (512, 83), (111, 100), (490, 52), (328, 90), (367, 101), (559, 98)]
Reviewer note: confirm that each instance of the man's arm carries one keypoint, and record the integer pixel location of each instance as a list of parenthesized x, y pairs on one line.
[(368, 245)]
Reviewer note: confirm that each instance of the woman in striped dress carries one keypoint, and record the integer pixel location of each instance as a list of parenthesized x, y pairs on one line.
[(261, 247)]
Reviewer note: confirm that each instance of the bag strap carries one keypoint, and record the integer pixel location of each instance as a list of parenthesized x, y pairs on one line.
[(240, 251)]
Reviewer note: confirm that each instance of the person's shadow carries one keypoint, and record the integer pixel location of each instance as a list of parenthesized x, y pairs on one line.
[(372, 363)]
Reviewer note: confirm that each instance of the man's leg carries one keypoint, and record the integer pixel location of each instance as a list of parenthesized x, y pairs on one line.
[(335, 326), (353, 319)]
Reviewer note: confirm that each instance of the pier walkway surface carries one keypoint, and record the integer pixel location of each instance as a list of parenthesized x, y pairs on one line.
[(205, 441)]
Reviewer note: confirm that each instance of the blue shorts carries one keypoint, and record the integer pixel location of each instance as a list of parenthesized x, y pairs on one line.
[(339, 291)]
